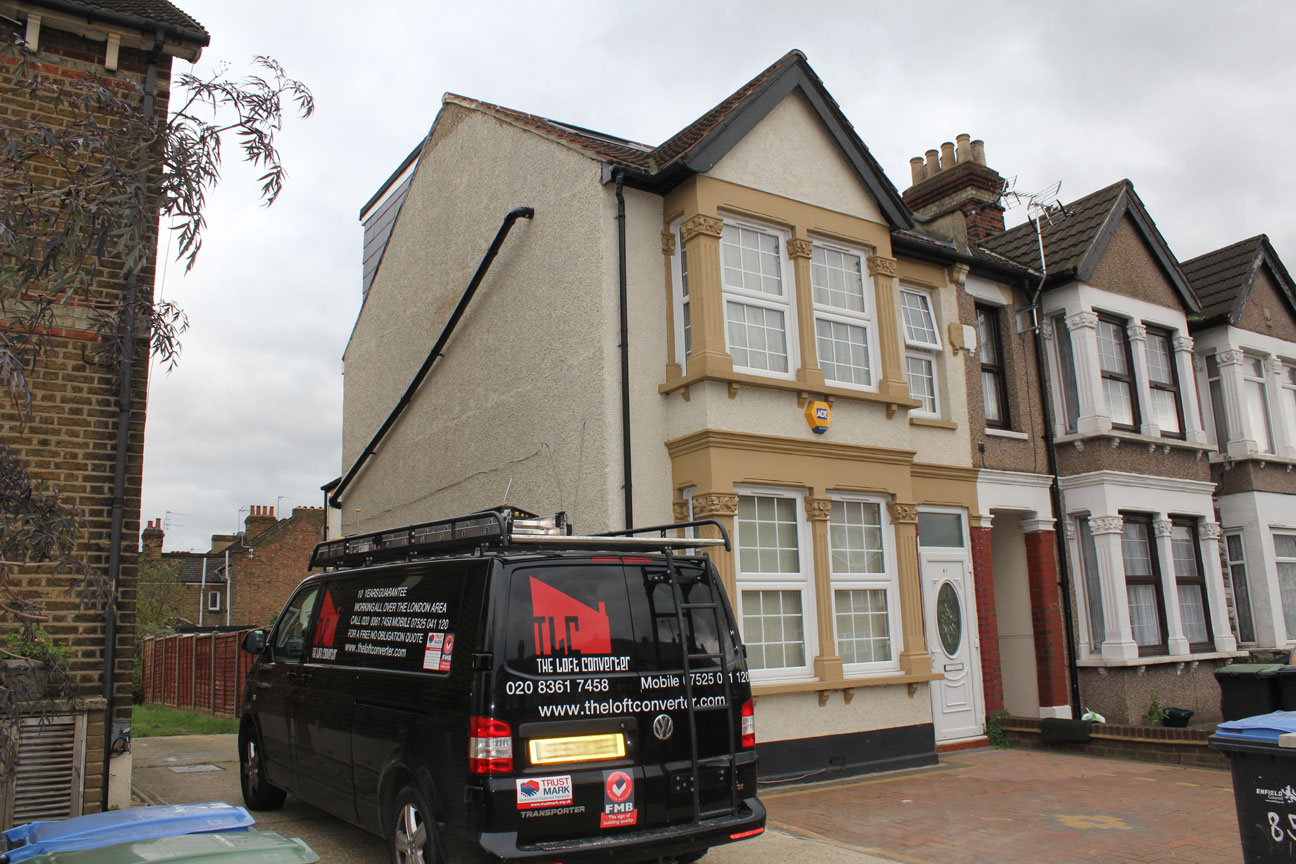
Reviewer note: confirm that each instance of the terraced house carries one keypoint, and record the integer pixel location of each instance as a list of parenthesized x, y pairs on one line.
[(767, 267)]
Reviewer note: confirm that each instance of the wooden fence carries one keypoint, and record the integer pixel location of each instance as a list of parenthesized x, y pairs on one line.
[(195, 671)]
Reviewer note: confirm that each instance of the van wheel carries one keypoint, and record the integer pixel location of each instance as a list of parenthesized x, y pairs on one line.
[(258, 794), (411, 837)]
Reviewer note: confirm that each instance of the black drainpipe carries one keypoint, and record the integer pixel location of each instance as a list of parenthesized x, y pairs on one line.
[(124, 383), (1055, 493), (335, 500), (625, 352)]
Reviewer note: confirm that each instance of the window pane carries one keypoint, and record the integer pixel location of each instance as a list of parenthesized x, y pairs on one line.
[(1285, 545), (990, 396), (843, 352), (837, 279), (1159, 359), (1192, 612), (922, 382), (855, 537), (940, 529), (750, 260), (1111, 347), (688, 331), (987, 336), (1120, 405), (1135, 549), (1287, 589), (767, 535), (756, 337), (772, 629), (1183, 542), (863, 634), (1144, 620), (1071, 397), (920, 326), (1165, 411)]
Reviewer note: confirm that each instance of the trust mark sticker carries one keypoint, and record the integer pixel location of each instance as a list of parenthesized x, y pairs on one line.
[(544, 792), (618, 800)]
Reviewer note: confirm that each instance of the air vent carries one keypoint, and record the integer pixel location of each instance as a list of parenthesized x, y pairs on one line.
[(47, 781)]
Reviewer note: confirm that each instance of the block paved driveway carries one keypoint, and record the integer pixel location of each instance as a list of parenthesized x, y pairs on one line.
[(1023, 805)]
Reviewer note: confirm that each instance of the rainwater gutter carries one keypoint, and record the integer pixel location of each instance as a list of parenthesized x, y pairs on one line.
[(628, 485), (125, 380), (1055, 486), (335, 499)]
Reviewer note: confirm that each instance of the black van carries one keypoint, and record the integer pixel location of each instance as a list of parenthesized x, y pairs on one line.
[(491, 688)]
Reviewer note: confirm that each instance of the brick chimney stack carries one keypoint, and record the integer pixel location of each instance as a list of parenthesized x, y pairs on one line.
[(955, 179), (151, 541), (259, 519)]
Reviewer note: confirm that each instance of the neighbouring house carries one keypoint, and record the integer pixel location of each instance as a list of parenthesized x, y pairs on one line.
[(771, 269), (245, 578), (1245, 341), (72, 441)]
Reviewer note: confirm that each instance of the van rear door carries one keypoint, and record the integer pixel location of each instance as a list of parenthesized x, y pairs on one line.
[(615, 728)]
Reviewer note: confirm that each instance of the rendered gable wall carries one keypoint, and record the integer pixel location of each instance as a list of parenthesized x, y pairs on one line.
[(521, 393), (1266, 300), (1128, 267), (790, 153)]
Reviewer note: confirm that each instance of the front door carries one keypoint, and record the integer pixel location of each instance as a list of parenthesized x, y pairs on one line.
[(950, 613)]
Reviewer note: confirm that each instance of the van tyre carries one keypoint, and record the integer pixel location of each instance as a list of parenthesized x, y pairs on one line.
[(258, 794), (411, 837)]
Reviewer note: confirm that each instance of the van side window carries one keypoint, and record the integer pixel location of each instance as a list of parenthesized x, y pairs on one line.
[(289, 643)]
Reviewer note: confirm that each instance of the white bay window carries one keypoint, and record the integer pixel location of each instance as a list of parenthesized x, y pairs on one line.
[(842, 299), (863, 585), (759, 314), (775, 583)]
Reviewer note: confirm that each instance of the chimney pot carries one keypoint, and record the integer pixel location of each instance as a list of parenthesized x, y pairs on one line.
[(933, 163), (916, 170), (963, 147), (978, 152), (947, 155)]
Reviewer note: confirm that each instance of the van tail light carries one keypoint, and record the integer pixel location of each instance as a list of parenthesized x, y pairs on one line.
[(490, 746), (748, 725)]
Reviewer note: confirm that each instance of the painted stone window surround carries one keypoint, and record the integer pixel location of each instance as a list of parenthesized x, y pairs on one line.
[(713, 467), (1232, 352), (698, 211), (1103, 499), (1081, 308)]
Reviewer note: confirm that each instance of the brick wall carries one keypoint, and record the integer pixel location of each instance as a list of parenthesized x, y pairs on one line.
[(263, 579), (71, 442), (1046, 617), (987, 620)]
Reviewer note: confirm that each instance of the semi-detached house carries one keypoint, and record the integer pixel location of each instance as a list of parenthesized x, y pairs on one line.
[(769, 265)]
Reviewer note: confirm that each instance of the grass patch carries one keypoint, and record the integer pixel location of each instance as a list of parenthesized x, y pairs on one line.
[(150, 721)]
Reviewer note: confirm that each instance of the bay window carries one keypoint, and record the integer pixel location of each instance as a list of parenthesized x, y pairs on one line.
[(844, 335), (1190, 584), (757, 299), (1163, 384), (922, 340), (863, 584), (774, 583), (1257, 403), (1285, 559), (1117, 367)]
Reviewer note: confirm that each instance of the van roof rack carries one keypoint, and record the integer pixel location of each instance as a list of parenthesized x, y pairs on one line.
[(505, 527)]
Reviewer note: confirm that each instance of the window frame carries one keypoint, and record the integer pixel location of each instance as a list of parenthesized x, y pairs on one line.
[(1154, 579), (802, 582), (1191, 523), (214, 595), (1129, 378), (1172, 386), (1268, 446), (785, 303), (865, 319), (886, 580), (999, 371), (1288, 624), (1230, 565), (922, 350)]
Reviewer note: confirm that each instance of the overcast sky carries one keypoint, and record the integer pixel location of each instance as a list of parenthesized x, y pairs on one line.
[(1192, 101)]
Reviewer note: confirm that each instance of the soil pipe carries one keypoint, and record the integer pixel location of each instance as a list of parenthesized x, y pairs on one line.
[(628, 486)]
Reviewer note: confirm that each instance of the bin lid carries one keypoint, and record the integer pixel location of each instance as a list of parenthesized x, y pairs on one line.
[(1239, 670), (119, 826), (250, 847), (1264, 728)]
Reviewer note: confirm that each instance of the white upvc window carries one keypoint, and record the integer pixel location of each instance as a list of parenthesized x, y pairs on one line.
[(865, 602), (775, 583), (1259, 418), (922, 339), (680, 290), (1285, 559), (213, 601), (760, 317), (845, 337)]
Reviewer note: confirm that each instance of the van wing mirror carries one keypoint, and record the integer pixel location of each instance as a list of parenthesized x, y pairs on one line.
[(254, 641)]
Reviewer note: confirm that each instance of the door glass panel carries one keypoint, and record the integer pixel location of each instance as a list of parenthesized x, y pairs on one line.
[(940, 529), (949, 619)]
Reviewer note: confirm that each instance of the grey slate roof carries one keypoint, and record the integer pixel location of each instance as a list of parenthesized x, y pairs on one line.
[(1223, 279), (190, 566), (160, 11)]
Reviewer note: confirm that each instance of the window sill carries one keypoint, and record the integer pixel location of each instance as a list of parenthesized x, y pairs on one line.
[(1261, 458), (1006, 433), (737, 380), (826, 687), (1104, 662), (932, 422), (1115, 437)]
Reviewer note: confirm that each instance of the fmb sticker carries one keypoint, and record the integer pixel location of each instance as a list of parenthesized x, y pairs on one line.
[(618, 800)]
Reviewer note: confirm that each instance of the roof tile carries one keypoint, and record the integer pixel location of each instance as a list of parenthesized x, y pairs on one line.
[(1219, 277)]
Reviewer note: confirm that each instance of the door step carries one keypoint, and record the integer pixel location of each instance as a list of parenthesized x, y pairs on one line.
[(966, 744)]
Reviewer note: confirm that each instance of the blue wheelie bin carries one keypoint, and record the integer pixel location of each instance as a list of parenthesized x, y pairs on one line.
[(120, 826), (1262, 753)]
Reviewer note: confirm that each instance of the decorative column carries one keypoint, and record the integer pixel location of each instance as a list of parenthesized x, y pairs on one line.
[(674, 365), (828, 665), (810, 373), (892, 381), (1176, 642), (1118, 642), (980, 533), (1284, 434), (1046, 617), (914, 659), (1094, 417), (1194, 431), (1137, 334), (1210, 553), (701, 235), (721, 506), (1240, 444)]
